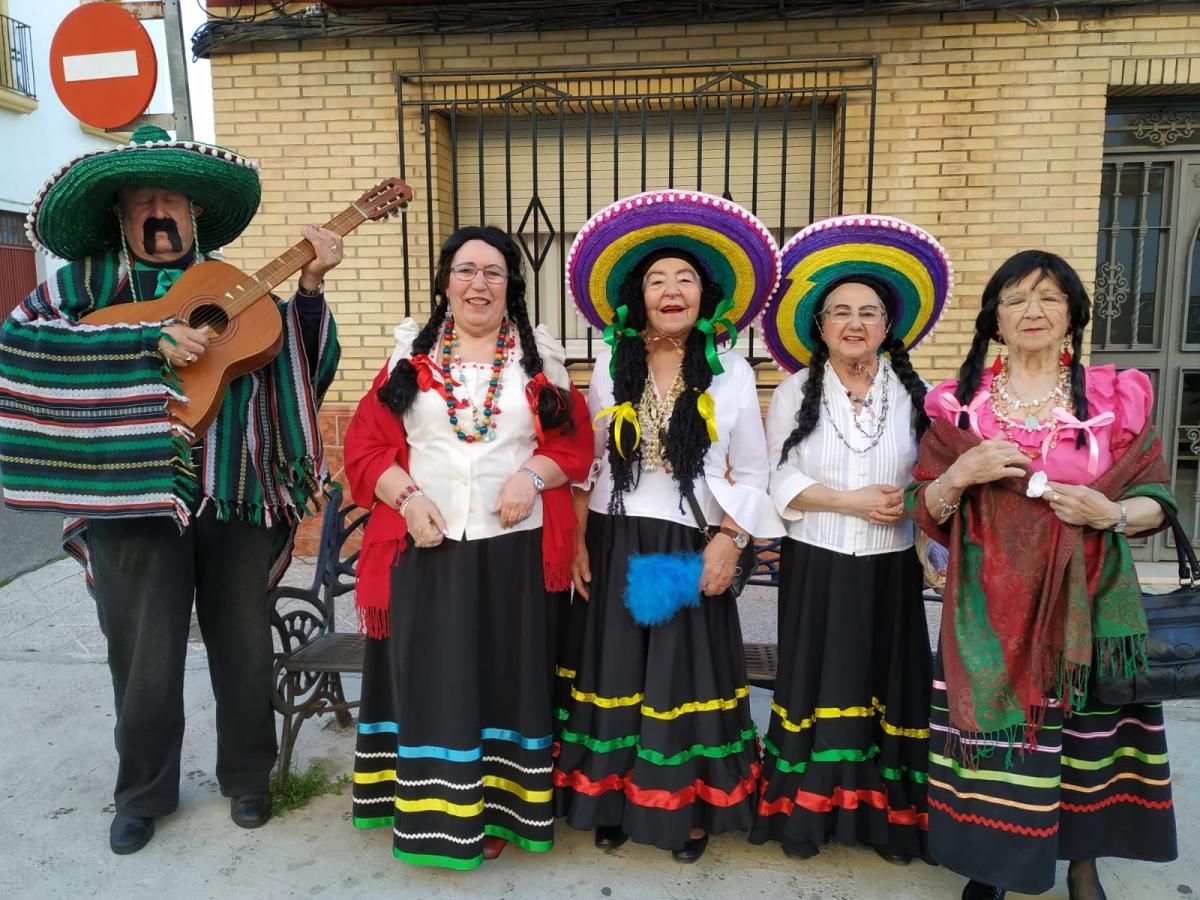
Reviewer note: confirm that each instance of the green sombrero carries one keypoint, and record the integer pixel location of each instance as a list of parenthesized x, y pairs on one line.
[(72, 215)]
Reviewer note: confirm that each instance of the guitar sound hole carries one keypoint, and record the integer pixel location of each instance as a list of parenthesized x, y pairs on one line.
[(209, 316)]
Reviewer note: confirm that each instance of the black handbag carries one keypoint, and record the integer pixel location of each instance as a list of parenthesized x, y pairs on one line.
[(747, 559), (1173, 644)]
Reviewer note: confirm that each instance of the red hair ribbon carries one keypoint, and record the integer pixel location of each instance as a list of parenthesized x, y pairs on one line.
[(533, 390)]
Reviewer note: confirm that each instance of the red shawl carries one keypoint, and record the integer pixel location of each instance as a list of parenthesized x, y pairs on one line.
[(375, 439)]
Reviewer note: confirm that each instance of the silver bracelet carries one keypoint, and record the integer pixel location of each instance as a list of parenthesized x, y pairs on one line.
[(945, 510), (403, 505)]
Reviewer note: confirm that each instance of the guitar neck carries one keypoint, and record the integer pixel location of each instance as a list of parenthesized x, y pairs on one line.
[(287, 264)]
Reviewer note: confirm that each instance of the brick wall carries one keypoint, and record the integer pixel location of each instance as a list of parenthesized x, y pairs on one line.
[(989, 134)]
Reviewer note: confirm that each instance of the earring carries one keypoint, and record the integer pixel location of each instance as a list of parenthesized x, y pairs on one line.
[(1066, 354), (998, 365)]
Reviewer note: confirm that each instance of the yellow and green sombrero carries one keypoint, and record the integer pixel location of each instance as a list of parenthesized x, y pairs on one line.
[(737, 250), (903, 256)]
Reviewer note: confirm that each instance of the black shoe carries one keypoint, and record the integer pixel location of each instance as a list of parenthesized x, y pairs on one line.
[(692, 850), (610, 837), (977, 890), (129, 834), (893, 856), (1084, 887), (250, 810), (794, 849)]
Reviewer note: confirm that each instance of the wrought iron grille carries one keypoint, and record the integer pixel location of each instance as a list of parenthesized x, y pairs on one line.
[(538, 152), (16, 57), (1132, 250)]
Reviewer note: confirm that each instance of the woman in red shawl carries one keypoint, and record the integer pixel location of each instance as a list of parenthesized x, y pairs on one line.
[(1034, 471), (463, 448)]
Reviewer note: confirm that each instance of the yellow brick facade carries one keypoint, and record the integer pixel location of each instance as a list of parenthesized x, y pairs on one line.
[(989, 134)]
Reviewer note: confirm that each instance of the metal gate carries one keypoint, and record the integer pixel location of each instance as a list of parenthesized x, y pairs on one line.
[(1146, 305), (536, 152)]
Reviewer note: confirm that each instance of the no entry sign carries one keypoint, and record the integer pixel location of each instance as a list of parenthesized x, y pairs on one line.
[(103, 66)]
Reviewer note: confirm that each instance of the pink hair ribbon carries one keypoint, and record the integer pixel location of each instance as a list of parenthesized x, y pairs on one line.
[(950, 404)]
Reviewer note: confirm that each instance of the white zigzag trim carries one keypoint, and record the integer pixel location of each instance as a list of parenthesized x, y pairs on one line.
[(381, 753), (364, 800), (509, 762), (537, 823), (440, 835), (450, 784)]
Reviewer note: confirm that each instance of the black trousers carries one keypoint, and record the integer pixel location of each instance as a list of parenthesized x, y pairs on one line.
[(147, 575)]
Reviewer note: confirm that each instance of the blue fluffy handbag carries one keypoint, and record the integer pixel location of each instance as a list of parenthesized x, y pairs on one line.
[(658, 585)]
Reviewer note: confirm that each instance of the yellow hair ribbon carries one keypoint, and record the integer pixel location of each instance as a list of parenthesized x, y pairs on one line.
[(622, 413), (707, 407)]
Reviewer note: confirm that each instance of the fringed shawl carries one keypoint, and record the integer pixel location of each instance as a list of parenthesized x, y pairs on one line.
[(1031, 603), (375, 439), (84, 428)]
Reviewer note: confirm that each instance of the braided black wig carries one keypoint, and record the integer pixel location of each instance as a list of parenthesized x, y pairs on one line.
[(688, 433), (400, 390), (810, 406), (1014, 270)]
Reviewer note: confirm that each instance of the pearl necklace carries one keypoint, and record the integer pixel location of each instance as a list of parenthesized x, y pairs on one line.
[(1010, 403)]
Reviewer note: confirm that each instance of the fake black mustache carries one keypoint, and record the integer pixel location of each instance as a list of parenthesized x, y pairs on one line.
[(168, 227)]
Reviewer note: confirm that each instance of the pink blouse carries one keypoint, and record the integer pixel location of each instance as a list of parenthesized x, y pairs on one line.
[(1118, 406)]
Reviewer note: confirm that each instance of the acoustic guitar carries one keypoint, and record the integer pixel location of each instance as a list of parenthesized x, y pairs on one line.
[(245, 328)]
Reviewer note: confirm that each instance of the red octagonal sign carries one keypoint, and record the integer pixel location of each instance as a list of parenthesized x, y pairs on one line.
[(103, 65)]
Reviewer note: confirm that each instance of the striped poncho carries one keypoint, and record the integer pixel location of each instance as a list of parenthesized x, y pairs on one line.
[(84, 428)]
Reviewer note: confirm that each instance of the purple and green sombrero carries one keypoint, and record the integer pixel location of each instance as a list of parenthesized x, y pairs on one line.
[(906, 258), (731, 243)]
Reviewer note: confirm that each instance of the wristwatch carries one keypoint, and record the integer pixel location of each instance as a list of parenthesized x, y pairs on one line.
[(741, 540), (1122, 520), (539, 484)]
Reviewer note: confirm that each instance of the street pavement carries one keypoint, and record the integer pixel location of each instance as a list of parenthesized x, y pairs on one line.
[(56, 802)]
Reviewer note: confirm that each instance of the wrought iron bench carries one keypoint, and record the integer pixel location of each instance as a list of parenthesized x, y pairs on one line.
[(313, 654)]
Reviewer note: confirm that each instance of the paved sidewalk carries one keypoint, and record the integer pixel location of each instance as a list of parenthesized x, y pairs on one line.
[(59, 764)]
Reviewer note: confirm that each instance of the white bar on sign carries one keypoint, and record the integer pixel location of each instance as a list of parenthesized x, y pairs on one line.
[(92, 66)]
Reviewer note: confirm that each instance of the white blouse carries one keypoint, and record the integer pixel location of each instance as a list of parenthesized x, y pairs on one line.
[(735, 468), (822, 458), (464, 480)]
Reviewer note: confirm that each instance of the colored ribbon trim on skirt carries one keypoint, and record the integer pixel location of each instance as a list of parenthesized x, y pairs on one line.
[(660, 799)]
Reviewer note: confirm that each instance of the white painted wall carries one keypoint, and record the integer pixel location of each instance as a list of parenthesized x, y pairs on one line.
[(33, 145)]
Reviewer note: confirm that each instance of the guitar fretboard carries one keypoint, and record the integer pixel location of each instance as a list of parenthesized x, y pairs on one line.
[(285, 265)]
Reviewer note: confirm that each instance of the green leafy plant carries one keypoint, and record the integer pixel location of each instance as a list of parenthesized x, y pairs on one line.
[(293, 790)]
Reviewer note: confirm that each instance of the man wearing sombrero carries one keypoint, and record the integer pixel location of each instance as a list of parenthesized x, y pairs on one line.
[(84, 431), (657, 744)]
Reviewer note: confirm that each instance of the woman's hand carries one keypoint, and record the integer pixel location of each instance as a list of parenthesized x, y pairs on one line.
[(425, 522), (720, 564), (516, 499), (1079, 505), (878, 503), (581, 570), (987, 461)]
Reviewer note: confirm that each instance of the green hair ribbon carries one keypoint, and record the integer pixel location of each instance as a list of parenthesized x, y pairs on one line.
[(613, 333), (708, 327)]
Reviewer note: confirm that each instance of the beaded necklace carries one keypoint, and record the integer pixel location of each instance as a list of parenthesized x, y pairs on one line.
[(1004, 405), (1058, 395), (873, 437), (483, 427), (654, 416)]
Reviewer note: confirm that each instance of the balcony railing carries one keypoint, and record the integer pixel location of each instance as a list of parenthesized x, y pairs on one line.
[(16, 57)]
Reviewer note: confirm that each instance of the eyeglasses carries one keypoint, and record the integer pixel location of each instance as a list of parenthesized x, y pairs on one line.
[(468, 271), (844, 315), (1020, 302), (658, 282)]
